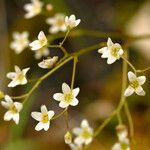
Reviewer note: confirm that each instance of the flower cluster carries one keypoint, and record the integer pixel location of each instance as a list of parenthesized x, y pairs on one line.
[(123, 141)]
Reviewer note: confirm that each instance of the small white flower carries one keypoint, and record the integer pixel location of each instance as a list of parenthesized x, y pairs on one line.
[(20, 41), (48, 63), (43, 117), (74, 146), (41, 52), (113, 51), (71, 21), (84, 134), (34, 8), (18, 77), (13, 109), (41, 42), (68, 137), (57, 23), (68, 97), (135, 84)]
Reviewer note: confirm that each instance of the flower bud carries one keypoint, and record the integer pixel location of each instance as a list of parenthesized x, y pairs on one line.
[(68, 137), (1, 95), (49, 7)]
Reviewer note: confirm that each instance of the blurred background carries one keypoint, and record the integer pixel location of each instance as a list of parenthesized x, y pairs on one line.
[(100, 83)]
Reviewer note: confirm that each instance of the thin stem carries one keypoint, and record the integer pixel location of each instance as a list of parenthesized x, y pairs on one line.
[(60, 114), (65, 38), (67, 119), (144, 70), (20, 97), (74, 71), (129, 64)]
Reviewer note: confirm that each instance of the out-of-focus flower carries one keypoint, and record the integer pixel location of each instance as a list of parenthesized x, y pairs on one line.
[(113, 51), (68, 137), (20, 41), (41, 52), (43, 117), (135, 84), (57, 23), (74, 146), (48, 63), (71, 21), (41, 42), (123, 143), (34, 8), (18, 77), (84, 134), (68, 97), (13, 109)]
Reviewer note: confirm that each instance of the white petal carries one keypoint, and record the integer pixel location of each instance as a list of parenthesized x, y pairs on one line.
[(77, 22), (58, 96), (53, 29), (16, 118), (63, 104), (43, 109), (25, 70), (105, 54), (120, 53), (102, 50), (46, 126), (111, 60), (74, 102), (77, 131), (36, 116), (11, 75), (84, 124), (88, 141), (129, 91), (109, 42), (50, 114), (35, 45), (23, 81), (17, 69), (42, 36), (8, 116), (5, 104), (65, 88), (8, 99), (75, 91), (79, 140), (131, 76), (13, 83), (140, 91), (141, 80), (18, 106), (39, 126)]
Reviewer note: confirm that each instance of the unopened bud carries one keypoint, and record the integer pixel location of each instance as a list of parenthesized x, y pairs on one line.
[(49, 7), (68, 137)]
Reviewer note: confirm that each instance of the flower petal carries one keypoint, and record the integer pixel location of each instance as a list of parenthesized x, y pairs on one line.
[(141, 80), (131, 76), (11, 75), (18, 106), (8, 116), (75, 91), (63, 104), (58, 96), (46, 126), (109, 42), (39, 126), (74, 102), (140, 91), (65, 88), (129, 91), (35, 45), (43, 109), (50, 114), (16, 118), (111, 60), (84, 124), (77, 131), (36, 115)]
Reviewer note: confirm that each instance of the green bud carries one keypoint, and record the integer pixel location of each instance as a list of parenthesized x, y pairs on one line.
[(68, 137)]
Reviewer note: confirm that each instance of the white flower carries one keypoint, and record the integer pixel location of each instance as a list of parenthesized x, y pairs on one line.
[(84, 134), (71, 21), (48, 63), (13, 109), (74, 146), (57, 23), (41, 52), (68, 137), (38, 44), (113, 51), (18, 77), (120, 146), (34, 8), (135, 84), (68, 97), (20, 41), (43, 117)]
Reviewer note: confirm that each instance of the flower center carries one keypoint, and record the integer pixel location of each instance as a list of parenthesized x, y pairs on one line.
[(13, 109), (45, 118), (134, 84), (86, 134), (68, 97), (60, 22), (124, 146), (20, 76), (114, 51)]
